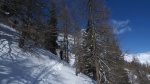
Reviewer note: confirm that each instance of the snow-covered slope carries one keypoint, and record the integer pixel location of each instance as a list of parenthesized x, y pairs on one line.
[(32, 66), (143, 58)]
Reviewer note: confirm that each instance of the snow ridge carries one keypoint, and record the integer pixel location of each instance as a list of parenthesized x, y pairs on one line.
[(144, 58)]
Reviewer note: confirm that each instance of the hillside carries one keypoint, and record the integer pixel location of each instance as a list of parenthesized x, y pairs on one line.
[(32, 66), (143, 58)]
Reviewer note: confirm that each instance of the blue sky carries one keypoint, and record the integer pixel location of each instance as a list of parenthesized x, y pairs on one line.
[(131, 19)]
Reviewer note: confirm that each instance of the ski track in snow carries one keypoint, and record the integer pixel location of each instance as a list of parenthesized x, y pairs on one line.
[(36, 67), (44, 73)]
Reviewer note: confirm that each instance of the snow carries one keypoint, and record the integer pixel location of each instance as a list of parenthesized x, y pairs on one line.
[(5, 12), (144, 58), (132, 77), (148, 76), (72, 59), (33, 66), (70, 44)]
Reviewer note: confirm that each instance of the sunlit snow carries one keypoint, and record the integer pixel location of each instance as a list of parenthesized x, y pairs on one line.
[(32, 66)]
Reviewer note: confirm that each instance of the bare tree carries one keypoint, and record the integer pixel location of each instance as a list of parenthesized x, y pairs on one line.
[(51, 32), (66, 27), (99, 45)]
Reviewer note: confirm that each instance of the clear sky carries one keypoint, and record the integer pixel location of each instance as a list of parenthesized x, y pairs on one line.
[(131, 19)]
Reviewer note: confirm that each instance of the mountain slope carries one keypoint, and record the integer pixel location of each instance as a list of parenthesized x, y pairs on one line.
[(143, 58), (32, 66)]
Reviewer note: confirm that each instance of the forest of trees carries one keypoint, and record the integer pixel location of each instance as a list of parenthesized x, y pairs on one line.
[(97, 50)]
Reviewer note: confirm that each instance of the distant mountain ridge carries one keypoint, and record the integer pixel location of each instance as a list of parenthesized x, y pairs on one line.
[(143, 58)]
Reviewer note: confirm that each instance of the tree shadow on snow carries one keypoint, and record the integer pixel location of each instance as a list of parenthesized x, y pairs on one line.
[(14, 68), (15, 72)]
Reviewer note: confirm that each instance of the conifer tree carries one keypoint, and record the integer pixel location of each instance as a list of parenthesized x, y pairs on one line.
[(86, 59), (25, 16), (99, 45), (51, 33), (66, 24), (10, 8)]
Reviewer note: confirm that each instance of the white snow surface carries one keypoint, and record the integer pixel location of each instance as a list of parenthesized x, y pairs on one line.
[(32, 66), (143, 58)]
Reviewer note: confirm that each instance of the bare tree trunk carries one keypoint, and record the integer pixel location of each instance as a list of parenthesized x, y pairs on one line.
[(67, 55), (67, 22), (94, 44), (66, 42)]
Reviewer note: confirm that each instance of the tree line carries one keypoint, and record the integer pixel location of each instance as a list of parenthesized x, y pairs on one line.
[(97, 50)]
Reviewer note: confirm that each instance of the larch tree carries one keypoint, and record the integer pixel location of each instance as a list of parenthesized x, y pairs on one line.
[(96, 17), (9, 8), (51, 33), (76, 14), (25, 12), (26, 15), (65, 21), (99, 44), (29, 15)]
